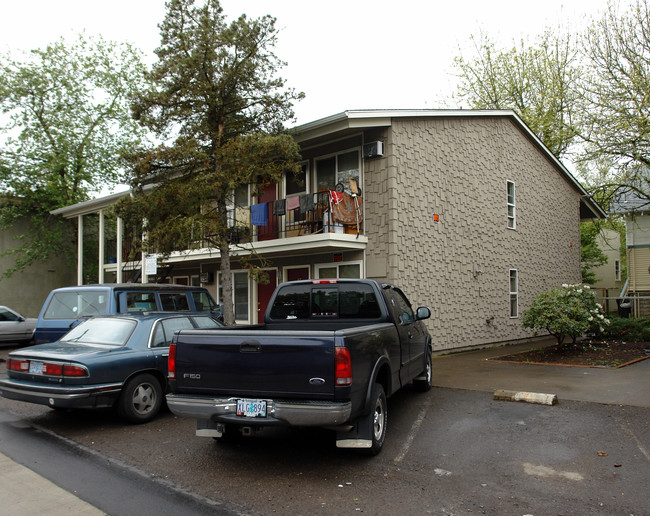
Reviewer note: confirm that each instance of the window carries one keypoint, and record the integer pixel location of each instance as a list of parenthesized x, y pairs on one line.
[(237, 206), (341, 301), (340, 270), (174, 301), (512, 221), (72, 305), (296, 183), (403, 307), (336, 169), (203, 302), (165, 329), (617, 269), (514, 294), (240, 294), (6, 315), (140, 301)]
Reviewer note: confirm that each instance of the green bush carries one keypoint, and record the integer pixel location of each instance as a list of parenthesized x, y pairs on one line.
[(628, 330), (569, 311)]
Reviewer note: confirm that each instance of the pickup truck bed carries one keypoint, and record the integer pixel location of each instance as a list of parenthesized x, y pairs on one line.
[(318, 360)]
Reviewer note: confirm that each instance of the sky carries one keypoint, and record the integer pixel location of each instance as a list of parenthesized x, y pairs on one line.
[(343, 54)]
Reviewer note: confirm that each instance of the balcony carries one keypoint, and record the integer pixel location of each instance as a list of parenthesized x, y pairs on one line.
[(310, 214)]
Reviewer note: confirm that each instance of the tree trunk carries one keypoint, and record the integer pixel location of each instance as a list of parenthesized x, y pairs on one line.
[(226, 286)]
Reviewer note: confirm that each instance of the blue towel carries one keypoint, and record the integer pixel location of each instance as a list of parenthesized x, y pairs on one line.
[(259, 214)]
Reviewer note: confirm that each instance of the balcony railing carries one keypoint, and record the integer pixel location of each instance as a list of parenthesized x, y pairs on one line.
[(301, 215), (322, 212)]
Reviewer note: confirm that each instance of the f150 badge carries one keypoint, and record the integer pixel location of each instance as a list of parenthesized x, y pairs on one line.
[(192, 376)]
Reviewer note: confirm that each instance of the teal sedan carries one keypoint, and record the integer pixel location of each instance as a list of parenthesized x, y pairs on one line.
[(114, 361)]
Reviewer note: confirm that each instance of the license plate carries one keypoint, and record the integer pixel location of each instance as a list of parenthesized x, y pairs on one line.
[(251, 408), (35, 367)]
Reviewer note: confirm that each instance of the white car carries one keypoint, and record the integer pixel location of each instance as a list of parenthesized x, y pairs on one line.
[(14, 327)]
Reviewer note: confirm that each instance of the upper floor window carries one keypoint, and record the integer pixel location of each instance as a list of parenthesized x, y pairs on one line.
[(512, 221), (617, 269), (338, 169), (296, 183)]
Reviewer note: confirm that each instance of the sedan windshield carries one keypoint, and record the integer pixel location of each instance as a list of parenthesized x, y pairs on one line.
[(111, 332)]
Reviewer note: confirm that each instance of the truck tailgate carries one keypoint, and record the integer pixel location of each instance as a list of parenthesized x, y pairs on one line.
[(256, 363)]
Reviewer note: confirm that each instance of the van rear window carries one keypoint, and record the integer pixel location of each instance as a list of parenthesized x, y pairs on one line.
[(74, 305), (343, 301), (175, 302)]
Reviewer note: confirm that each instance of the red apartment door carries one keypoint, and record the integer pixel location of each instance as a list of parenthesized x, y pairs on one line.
[(264, 294), (270, 231)]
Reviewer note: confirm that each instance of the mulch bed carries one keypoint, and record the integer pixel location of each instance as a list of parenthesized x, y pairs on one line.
[(586, 353)]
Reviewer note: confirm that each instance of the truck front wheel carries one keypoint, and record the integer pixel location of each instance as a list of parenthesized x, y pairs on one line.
[(423, 382)]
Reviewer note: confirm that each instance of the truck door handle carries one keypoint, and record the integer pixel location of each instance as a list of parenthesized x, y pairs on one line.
[(250, 346), (410, 335)]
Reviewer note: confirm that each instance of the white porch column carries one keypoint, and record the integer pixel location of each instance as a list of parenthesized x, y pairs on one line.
[(80, 249), (101, 246), (119, 250)]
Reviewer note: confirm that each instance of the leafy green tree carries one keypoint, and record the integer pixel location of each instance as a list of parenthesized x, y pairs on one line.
[(216, 92), (591, 255), (537, 81), (66, 120), (568, 311), (615, 91)]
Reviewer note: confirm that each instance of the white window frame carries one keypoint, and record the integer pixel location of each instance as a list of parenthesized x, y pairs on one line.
[(335, 155), (617, 270), (511, 207), (248, 294), (320, 266), (513, 295), (285, 271)]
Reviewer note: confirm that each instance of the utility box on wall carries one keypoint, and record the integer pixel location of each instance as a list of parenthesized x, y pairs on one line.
[(373, 150)]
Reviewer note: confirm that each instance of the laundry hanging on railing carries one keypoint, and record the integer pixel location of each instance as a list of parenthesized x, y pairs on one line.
[(279, 207), (306, 203), (260, 214), (293, 203)]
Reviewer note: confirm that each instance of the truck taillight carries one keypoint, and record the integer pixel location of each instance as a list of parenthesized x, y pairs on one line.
[(171, 361), (343, 365)]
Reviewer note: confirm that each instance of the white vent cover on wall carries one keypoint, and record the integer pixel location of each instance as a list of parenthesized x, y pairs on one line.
[(373, 150)]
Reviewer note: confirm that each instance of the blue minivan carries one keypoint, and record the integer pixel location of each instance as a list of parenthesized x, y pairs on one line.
[(65, 307)]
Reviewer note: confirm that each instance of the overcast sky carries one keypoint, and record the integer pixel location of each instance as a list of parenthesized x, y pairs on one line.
[(344, 54)]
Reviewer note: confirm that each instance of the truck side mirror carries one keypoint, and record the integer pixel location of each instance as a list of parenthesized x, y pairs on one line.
[(422, 313)]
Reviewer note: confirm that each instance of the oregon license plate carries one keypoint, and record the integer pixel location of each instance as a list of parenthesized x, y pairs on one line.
[(35, 367), (251, 408)]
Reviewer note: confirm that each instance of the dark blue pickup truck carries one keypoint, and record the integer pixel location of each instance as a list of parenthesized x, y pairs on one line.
[(328, 354)]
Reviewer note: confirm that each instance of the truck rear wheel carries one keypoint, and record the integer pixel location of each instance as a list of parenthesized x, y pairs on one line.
[(378, 419), (423, 382)]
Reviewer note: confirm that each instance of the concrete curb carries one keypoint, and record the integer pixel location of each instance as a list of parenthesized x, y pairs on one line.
[(528, 397)]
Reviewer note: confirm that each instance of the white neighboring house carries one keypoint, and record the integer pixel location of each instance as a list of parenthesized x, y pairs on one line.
[(608, 276), (635, 210)]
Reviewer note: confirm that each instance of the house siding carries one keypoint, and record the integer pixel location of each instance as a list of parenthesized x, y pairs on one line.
[(458, 168)]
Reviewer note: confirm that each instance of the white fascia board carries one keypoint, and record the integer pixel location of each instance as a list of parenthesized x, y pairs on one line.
[(91, 206), (296, 245)]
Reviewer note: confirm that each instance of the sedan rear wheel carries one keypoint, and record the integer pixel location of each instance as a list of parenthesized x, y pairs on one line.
[(141, 399)]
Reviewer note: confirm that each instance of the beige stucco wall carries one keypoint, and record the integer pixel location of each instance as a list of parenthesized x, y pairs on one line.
[(458, 168), (26, 291)]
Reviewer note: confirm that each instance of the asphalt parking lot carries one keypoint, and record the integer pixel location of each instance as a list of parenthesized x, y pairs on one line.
[(454, 450)]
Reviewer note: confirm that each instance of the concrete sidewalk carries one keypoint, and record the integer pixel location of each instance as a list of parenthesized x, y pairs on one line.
[(25, 493), (629, 385)]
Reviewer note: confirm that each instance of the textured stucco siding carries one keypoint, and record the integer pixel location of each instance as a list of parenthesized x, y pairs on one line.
[(458, 169), (25, 291)]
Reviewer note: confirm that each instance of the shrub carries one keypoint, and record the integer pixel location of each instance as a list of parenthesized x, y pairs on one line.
[(628, 330), (569, 311)]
